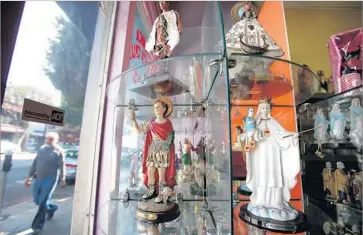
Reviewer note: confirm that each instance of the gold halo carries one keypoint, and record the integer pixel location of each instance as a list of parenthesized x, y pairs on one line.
[(168, 103)]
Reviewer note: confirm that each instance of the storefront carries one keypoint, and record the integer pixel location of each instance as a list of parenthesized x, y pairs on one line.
[(200, 77), (240, 88)]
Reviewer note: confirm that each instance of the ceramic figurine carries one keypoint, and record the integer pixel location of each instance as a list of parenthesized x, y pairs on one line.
[(341, 184), (250, 128), (166, 31), (187, 152), (247, 34), (321, 126), (356, 123), (337, 123), (202, 172), (188, 173), (239, 145), (211, 153), (272, 167), (328, 180), (357, 186), (158, 155)]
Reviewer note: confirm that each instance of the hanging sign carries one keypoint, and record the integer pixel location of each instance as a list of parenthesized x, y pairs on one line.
[(38, 112)]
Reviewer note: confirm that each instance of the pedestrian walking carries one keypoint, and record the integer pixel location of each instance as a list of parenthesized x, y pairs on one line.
[(47, 169)]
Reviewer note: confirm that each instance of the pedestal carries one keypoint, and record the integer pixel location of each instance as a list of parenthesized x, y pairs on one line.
[(154, 213), (298, 225)]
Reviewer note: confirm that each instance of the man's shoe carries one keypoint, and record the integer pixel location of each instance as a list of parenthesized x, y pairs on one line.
[(50, 215), (36, 230)]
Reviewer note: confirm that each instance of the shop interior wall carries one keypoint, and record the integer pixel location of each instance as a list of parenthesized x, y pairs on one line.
[(310, 29)]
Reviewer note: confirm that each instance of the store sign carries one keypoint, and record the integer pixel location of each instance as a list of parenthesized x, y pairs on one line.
[(139, 56), (38, 112)]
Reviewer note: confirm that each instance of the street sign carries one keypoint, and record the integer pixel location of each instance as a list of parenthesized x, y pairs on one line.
[(38, 112)]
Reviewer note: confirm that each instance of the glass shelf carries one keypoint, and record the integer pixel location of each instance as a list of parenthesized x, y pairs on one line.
[(255, 76)]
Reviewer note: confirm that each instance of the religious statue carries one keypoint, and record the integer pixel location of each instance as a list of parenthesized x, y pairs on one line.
[(357, 187), (356, 123), (188, 173), (238, 144), (328, 180), (272, 167), (321, 126), (250, 128), (337, 123), (247, 34), (202, 172), (341, 184), (158, 164), (166, 31), (187, 152)]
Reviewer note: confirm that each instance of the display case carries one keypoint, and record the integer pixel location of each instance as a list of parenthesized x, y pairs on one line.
[(178, 117), (195, 193), (332, 162)]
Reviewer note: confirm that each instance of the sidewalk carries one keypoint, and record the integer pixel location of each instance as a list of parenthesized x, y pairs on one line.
[(22, 214)]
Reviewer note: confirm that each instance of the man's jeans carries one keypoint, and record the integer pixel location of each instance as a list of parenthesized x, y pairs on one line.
[(42, 193)]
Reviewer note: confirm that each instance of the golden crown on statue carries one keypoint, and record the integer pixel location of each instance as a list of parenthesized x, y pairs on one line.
[(265, 100)]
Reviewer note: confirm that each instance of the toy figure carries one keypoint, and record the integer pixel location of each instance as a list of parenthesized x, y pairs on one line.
[(272, 167), (165, 34), (356, 123), (158, 156), (337, 123), (250, 128), (341, 184), (328, 179)]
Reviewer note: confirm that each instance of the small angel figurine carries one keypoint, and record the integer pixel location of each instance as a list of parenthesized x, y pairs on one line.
[(337, 123), (166, 31), (250, 128)]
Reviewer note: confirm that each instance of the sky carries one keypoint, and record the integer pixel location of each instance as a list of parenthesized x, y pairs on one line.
[(36, 28)]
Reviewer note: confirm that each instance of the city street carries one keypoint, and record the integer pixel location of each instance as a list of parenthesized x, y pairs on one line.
[(18, 209), (16, 192)]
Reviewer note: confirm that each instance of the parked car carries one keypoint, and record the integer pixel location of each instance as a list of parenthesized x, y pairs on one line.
[(71, 158), (6, 145)]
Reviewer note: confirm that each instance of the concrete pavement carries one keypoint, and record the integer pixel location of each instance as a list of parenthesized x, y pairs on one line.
[(22, 214), (19, 210)]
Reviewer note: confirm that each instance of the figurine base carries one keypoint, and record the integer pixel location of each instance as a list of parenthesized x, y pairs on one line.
[(154, 213), (298, 225), (243, 192), (195, 189)]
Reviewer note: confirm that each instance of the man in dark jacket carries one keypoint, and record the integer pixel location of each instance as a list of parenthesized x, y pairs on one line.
[(47, 168)]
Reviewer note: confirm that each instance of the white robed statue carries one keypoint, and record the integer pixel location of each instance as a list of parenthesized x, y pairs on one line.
[(356, 123), (337, 123), (273, 167)]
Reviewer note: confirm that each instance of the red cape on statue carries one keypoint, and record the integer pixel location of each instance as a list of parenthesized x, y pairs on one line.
[(162, 130)]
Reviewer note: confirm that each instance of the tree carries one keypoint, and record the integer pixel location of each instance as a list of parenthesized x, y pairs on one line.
[(67, 67)]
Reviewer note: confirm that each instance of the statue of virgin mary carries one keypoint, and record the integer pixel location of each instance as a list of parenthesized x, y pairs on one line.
[(273, 167)]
